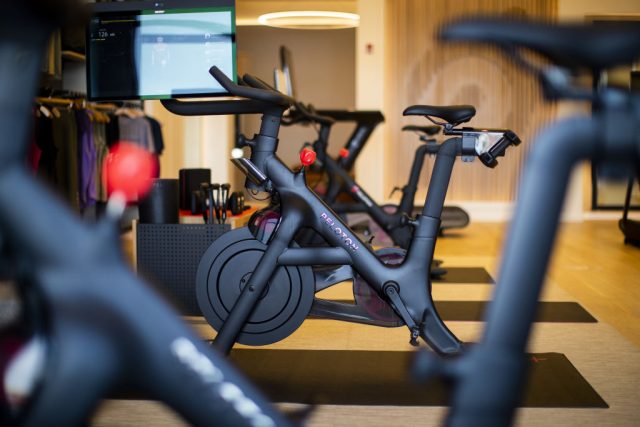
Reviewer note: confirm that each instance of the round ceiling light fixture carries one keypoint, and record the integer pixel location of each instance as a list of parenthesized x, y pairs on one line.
[(310, 20)]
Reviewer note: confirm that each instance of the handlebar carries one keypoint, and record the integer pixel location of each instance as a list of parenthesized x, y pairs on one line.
[(300, 114), (259, 94), (213, 108), (257, 82), (308, 113), (305, 113)]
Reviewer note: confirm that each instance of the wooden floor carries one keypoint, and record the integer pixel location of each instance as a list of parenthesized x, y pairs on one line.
[(590, 263)]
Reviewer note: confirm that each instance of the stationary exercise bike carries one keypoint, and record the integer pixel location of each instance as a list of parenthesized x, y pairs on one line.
[(487, 381), (393, 219), (255, 286), (82, 324), (389, 217)]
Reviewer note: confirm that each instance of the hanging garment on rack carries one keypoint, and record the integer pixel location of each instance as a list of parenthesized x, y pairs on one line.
[(87, 159), (33, 156), (158, 143), (113, 130), (136, 130), (52, 63), (34, 152), (156, 131), (43, 135), (65, 139), (102, 150)]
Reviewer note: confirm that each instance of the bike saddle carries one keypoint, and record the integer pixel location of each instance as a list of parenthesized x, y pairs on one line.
[(451, 114), (425, 130), (590, 46)]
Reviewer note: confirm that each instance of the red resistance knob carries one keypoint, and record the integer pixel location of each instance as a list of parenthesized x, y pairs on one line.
[(344, 153), (307, 157), (129, 169)]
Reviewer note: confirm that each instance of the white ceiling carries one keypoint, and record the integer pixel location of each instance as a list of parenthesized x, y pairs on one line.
[(247, 11)]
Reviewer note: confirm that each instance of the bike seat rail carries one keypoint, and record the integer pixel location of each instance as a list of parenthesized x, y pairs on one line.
[(426, 131)]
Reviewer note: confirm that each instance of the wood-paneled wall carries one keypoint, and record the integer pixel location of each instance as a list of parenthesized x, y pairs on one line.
[(173, 129), (422, 70)]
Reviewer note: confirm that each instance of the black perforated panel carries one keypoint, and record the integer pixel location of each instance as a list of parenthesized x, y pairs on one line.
[(168, 256)]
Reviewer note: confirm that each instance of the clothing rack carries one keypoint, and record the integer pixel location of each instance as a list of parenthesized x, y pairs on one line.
[(55, 101), (76, 102), (72, 138)]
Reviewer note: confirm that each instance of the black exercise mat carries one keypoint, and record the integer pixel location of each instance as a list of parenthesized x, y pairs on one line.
[(473, 311), (463, 275), (335, 377), (548, 311)]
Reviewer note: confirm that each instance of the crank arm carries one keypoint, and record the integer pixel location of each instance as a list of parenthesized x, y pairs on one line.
[(327, 276), (325, 309)]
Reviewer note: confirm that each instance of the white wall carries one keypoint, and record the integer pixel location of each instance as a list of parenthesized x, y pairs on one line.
[(370, 78), (207, 144)]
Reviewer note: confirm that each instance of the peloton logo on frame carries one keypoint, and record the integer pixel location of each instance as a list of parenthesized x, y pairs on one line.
[(338, 230)]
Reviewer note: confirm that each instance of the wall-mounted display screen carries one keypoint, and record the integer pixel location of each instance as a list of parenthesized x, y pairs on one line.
[(159, 49)]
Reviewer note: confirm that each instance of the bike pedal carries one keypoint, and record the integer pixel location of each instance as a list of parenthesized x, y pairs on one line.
[(391, 290), (415, 333)]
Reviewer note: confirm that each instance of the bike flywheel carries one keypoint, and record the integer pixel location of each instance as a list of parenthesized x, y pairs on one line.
[(224, 271)]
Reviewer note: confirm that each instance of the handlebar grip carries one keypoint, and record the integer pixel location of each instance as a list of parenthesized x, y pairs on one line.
[(264, 95), (256, 82), (304, 113)]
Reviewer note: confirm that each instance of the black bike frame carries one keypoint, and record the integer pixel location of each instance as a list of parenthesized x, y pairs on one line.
[(394, 223)]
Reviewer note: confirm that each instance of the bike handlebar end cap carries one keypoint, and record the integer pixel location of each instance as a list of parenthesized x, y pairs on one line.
[(307, 157)]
